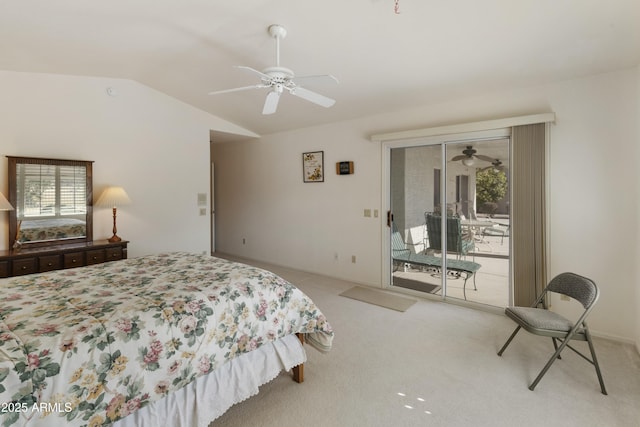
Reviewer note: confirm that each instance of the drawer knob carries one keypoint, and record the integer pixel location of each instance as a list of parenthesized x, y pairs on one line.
[(50, 264), (73, 261), (24, 267)]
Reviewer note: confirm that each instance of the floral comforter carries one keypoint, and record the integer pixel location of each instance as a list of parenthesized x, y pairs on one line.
[(88, 346)]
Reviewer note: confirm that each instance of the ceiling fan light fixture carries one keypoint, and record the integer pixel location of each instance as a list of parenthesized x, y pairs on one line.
[(468, 161)]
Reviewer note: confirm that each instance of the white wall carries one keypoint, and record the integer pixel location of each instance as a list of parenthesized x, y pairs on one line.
[(154, 146), (593, 206), (637, 142), (261, 197)]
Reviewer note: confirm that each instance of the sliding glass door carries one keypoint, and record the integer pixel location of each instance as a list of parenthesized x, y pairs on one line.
[(451, 219)]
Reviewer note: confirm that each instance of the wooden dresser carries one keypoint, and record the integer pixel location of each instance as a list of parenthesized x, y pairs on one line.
[(39, 260)]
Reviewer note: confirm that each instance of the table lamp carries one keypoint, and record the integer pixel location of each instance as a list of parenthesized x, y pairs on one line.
[(113, 197), (4, 204)]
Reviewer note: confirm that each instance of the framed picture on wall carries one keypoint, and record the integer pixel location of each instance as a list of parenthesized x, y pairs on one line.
[(313, 166)]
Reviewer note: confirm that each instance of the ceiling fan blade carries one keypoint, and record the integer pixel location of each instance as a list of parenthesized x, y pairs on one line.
[(314, 97), (460, 157), (316, 79), (485, 158), (271, 103), (254, 71), (237, 89)]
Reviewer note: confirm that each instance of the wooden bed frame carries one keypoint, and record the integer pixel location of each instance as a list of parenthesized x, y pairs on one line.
[(298, 371)]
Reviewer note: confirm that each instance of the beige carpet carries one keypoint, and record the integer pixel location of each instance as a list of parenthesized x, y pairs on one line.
[(375, 297)]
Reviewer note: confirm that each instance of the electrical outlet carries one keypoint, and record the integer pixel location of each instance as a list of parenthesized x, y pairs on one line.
[(353, 259)]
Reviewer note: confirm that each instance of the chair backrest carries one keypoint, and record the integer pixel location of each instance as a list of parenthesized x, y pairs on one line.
[(454, 233), (397, 242), (580, 288)]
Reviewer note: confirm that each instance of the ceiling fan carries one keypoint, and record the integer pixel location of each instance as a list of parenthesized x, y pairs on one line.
[(495, 165), (469, 155), (278, 79)]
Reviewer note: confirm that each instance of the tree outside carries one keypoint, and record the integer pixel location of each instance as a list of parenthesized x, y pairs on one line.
[(491, 187)]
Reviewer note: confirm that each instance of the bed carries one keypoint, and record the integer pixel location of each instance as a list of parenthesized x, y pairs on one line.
[(133, 341)]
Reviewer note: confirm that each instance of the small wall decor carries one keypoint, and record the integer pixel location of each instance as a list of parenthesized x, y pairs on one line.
[(313, 166), (344, 168)]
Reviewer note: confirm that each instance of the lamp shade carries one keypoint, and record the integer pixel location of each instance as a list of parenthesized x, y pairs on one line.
[(4, 204), (113, 197)]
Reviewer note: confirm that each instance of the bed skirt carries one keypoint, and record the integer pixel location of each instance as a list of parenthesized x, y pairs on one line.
[(207, 398)]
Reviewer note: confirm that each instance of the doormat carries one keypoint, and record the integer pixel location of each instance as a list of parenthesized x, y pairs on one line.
[(382, 299), (416, 285)]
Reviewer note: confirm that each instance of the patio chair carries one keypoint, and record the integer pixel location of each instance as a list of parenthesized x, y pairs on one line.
[(540, 321), (498, 230), (402, 255), (457, 242)]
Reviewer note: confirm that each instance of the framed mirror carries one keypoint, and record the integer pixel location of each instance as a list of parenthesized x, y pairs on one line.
[(52, 200)]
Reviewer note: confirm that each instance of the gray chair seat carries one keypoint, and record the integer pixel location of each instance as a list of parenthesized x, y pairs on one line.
[(539, 319)]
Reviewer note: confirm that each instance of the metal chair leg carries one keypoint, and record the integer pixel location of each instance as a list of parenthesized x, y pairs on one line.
[(504, 347), (549, 363), (595, 361), (555, 345)]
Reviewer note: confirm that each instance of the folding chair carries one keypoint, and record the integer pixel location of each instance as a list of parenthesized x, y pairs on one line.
[(540, 321)]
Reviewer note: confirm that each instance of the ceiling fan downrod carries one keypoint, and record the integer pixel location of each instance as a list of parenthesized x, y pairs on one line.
[(278, 32)]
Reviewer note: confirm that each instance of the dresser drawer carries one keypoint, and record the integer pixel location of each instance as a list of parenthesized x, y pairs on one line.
[(73, 259), (23, 266), (48, 263), (95, 257), (4, 269), (113, 254)]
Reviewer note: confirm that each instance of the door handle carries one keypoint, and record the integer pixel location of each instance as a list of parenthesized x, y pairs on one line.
[(389, 218)]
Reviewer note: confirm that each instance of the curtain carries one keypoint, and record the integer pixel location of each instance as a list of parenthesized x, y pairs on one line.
[(528, 228)]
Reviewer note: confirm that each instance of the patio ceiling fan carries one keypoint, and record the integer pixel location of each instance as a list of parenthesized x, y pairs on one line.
[(278, 79), (495, 165), (469, 156)]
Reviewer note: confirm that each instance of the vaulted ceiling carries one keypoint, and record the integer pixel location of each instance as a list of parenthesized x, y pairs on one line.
[(429, 52)]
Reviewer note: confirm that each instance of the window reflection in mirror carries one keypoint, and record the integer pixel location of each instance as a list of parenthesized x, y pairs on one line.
[(52, 200)]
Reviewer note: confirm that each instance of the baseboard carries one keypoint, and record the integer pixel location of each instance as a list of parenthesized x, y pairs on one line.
[(275, 264)]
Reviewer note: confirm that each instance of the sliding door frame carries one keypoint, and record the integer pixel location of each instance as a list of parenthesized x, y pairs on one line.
[(442, 135)]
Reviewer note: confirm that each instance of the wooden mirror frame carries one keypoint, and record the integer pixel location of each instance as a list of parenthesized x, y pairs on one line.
[(13, 198)]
